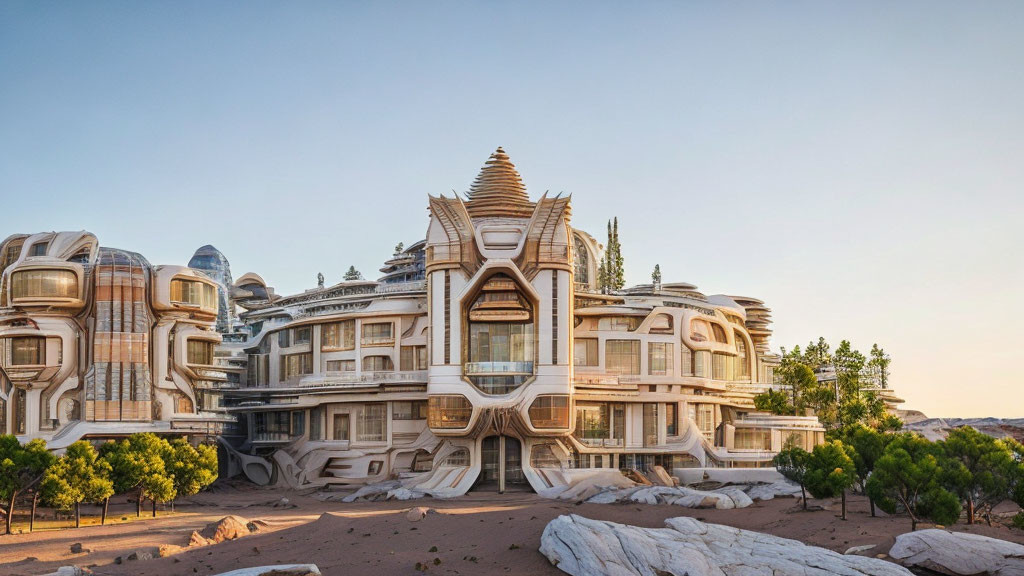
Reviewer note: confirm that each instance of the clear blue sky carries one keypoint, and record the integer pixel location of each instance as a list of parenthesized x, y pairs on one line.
[(858, 166)]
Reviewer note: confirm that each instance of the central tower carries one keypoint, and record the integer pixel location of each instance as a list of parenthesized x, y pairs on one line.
[(500, 273)]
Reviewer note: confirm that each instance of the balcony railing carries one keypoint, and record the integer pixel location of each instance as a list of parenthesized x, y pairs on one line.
[(377, 341), (271, 437), (498, 368), (413, 286), (342, 378), (601, 442)]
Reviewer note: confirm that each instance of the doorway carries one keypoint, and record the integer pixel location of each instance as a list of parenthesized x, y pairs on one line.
[(501, 464)]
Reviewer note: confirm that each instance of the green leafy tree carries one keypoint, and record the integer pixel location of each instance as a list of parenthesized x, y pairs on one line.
[(868, 446), (192, 468), (78, 476), (1016, 471), (656, 275), (353, 274), (774, 402), (878, 366), (21, 468), (791, 462), (907, 478), (830, 471), (137, 465), (978, 469)]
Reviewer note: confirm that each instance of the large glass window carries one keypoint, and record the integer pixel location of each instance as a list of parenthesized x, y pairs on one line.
[(371, 422), (378, 364), (450, 411), (501, 339), (550, 412), (200, 352), (659, 358), (44, 284), (316, 423), (378, 334), (622, 356), (28, 351), (298, 423), (295, 365), (600, 423), (194, 293), (584, 352), (752, 439), (414, 358), (700, 331), (722, 366), (338, 335), (719, 333)]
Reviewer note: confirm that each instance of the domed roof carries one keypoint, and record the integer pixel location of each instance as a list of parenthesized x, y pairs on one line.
[(498, 190)]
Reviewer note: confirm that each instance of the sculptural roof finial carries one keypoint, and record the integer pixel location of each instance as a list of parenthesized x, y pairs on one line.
[(498, 190)]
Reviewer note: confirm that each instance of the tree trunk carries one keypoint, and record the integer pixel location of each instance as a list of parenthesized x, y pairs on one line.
[(78, 514), (913, 524), (154, 507), (10, 510), (32, 518), (103, 515), (871, 501), (138, 505), (804, 494), (844, 505), (970, 510)]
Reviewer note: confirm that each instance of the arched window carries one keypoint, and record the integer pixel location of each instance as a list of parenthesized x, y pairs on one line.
[(742, 363), (501, 337), (581, 268)]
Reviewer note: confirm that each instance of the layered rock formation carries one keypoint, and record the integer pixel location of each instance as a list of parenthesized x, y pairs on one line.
[(958, 553), (580, 546)]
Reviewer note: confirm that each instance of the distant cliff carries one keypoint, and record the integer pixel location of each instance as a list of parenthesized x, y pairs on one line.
[(937, 428)]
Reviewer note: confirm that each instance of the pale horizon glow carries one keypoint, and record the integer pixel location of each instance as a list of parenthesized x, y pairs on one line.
[(859, 167)]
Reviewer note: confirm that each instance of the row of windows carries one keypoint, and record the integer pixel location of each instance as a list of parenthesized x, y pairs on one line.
[(701, 330), (339, 335), (623, 357), (412, 358), (200, 352)]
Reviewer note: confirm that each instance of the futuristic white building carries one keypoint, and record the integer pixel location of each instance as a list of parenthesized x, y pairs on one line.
[(486, 356), (97, 343)]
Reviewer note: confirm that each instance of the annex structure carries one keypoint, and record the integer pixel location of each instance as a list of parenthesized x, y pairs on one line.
[(485, 356), (97, 343)]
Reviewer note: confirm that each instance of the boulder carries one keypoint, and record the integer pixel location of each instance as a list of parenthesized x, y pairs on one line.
[(958, 553), (227, 528), (76, 548), (418, 513), (859, 549), (165, 550), (70, 571), (580, 546), (782, 488)]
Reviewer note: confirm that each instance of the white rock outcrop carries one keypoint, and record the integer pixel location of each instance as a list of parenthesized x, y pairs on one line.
[(280, 570), (580, 546), (958, 553)]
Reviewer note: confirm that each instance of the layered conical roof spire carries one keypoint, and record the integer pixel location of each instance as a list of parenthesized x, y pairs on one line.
[(498, 190)]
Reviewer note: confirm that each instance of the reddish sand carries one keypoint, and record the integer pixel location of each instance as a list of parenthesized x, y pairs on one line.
[(481, 533)]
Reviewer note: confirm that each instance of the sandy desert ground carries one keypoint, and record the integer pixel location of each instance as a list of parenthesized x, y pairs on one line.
[(480, 533)]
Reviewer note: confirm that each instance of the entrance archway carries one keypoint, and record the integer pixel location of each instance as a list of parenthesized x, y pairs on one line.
[(501, 466)]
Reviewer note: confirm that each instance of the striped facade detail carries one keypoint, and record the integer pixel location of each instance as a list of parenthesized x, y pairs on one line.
[(118, 385)]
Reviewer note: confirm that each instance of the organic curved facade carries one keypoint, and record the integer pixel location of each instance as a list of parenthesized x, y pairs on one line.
[(486, 356)]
